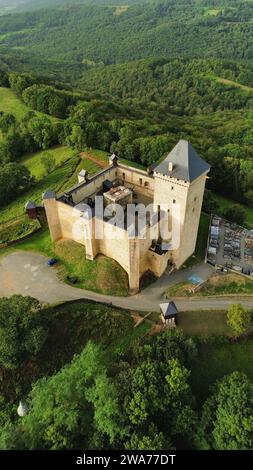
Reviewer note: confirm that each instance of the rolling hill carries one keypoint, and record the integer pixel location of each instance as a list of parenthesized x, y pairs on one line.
[(98, 35)]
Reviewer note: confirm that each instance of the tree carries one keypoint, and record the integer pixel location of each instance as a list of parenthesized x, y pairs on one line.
[(227, 416), (160, 393), (43, 132), (23, 330), (46, 99), (209, 203), (150, 439), (4, 79), (6, 122), (107, 417), (63, 412), (12, 147), (76, 138), (238, 319), (14, 179), (171, 344), (20, 81), (48, 161), (235, 214)]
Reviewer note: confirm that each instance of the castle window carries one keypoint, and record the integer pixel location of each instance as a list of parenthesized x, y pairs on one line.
[(146, 183), (123, 176), (174, 201), (140, 181), (195, 199), (172, 187)]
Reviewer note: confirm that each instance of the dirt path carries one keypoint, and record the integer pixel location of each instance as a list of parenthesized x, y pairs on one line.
[(93, 158)]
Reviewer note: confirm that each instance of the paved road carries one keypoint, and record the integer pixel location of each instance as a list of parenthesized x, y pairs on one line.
[(27, 273)]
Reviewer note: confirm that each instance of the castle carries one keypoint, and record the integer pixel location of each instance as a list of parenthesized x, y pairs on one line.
[(179, 179)]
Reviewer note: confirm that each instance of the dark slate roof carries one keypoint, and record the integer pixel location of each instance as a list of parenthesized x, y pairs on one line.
[(49, 195), (30, 205), (169, 309), (83, 172), (187, 164), (113, 158), (153, 166)]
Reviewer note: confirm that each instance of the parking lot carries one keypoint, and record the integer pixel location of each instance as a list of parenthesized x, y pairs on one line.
[(230, 246)]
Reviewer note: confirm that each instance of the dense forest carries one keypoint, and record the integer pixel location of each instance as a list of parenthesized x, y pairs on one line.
[(119, 391), (195, 81), (141, 115), (129, 80), (189, 29)]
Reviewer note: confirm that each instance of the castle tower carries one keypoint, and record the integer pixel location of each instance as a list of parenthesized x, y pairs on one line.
[(179, 183), (50, 205)]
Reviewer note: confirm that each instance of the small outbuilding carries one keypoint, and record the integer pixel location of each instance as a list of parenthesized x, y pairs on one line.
[(82, 176), (113, 160), (169, 314), (31, 210)]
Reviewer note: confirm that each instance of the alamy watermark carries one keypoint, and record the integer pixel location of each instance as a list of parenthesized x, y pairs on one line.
[(112, 221)]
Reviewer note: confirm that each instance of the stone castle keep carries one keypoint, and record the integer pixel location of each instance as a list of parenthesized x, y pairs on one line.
[(178, 179)]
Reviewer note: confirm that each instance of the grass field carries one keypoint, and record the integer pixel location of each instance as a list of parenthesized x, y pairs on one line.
[(17, 229), (212, 11), (33, 162), (225, 81), (119, 10), (220, 284), (204, 323), (63, 177), (225, 203), (102, 158), (201, 323), (10, 103), (56, 180), (102, 275), (216, 360)]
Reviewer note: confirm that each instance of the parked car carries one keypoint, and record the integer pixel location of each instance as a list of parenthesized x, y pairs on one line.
[(52, 262)]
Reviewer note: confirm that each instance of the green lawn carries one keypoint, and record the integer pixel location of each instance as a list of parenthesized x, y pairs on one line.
[(103, 156), (85, 164), (220, 284), (33, 162), (228, 284), (102, 275), (119, 10), (133, 164), (212, 11), (62, 178), (216, 360), (57, 181), (225, 81), (17, 228), (225, 203), (200, 323), (10, 103), (204, 323)]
